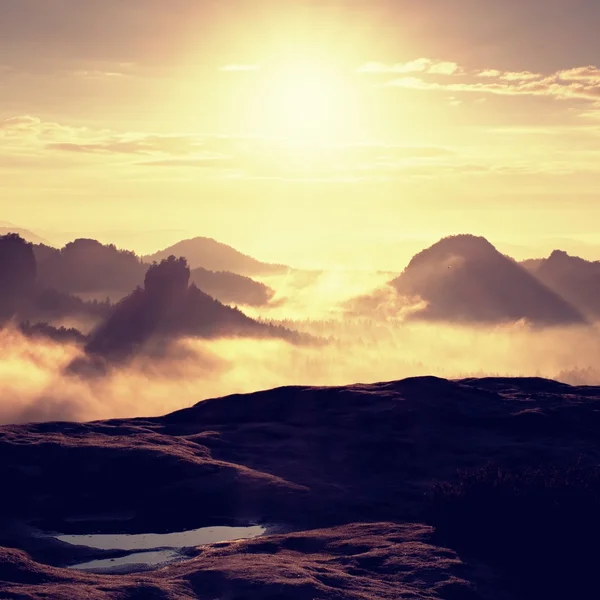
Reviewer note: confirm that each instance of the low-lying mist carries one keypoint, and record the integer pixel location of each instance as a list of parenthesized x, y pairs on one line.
[(35, 384)]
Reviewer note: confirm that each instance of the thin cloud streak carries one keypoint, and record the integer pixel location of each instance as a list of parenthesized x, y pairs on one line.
[(240, 68), (420, 65), (575, 83)]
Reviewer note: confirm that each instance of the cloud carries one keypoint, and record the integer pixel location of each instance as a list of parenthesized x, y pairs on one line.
[(19, 123), (576, 83), (113, 147), (550, 87), (519, 76), (489, 73), (133, 144), (208, 160), (594, 113), (239, 68), (26, 127), (420, 65), (444, 68), (28, 136), (99, 75), (371, 151), (28, 142), (590, 74), (508, 75), (36, 388)]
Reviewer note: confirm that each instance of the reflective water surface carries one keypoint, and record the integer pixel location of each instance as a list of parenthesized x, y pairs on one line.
[(140, 559), (146, 541)]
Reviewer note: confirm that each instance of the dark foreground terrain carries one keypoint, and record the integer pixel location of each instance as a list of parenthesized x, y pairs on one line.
[(344, 475)]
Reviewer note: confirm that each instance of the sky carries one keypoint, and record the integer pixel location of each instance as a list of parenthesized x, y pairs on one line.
[(303, 131)]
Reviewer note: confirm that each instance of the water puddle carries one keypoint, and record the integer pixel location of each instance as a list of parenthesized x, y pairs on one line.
[(139, 561), (148, 541)]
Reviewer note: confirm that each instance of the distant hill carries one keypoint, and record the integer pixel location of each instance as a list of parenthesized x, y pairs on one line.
[(168, 307), (575, 279), (17, 275), (29, 236), (215, 256), (231, 288), (49, 305), (23, 298), (465, 279), (86, 266)]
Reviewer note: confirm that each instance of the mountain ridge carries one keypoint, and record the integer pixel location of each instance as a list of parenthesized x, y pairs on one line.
[(464, 278)]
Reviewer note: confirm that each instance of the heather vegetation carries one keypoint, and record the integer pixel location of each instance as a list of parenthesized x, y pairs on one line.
[(538, 524)]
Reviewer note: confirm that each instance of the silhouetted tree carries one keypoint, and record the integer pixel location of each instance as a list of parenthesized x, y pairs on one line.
[(170, 277), (56, 334)]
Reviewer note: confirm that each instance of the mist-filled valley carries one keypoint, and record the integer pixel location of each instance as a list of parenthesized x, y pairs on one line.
[(299, 300), (93, 332)]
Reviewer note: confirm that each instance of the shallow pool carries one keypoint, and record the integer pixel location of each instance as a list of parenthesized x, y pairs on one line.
[(128, 563), (147, 541)]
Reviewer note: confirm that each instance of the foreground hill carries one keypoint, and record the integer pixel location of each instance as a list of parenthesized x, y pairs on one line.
[(215, 256), (465, 279), (347, 468), (575, 279)]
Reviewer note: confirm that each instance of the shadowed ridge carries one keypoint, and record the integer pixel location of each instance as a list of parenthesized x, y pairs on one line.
[(533, 383), (232, 288), (303, 404), (465, 279), (575, 279)]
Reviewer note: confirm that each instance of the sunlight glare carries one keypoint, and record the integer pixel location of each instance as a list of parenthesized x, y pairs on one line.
[(307, 101)]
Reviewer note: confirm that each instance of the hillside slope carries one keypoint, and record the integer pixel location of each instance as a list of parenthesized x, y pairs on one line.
[(348, 466)]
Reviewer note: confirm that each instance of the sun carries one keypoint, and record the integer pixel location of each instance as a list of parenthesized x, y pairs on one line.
[(306, 101), (303, 102)]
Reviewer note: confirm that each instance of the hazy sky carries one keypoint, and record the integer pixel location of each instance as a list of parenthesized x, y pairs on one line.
[(290, 127)]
